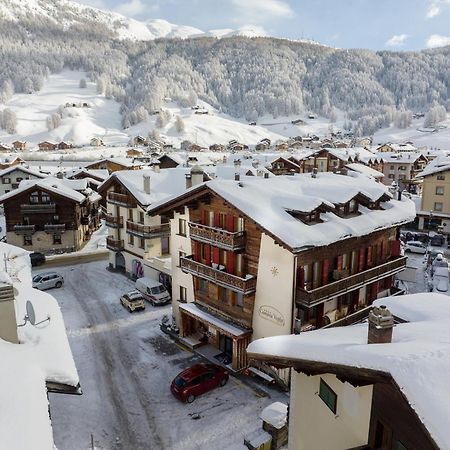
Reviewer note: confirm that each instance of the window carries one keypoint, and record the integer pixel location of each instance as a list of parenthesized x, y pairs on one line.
[(130, 214), (328, 396), (402, 177), (441, 177), (183, 294), (34, 197), (141, 243), (45, 197), (392, 168), (130, 239), (223, 293), (182, 227), (141, 217), (439, 190), (438, 206), (402, 168), (165, 247), (18, 179), (202, 285), (6, 180), (7, 190), (56, 239), (27, 239), (180, 255), (238, 299), (391, 176)]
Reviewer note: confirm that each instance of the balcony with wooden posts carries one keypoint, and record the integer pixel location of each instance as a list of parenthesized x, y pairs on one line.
[(148, 231), (227, 280), (55, 228), (114, 245), (311, 297), (24, 229), (113, 221), (127, 201), (218, 237), (38, 208)]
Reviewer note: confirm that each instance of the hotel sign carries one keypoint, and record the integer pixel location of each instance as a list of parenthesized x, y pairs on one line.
[(270, 313)]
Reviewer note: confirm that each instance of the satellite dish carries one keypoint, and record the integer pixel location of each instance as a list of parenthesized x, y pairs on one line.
[(30, 313)]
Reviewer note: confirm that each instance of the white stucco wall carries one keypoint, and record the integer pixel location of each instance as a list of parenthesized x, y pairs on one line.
[(180, 244), (313, 426), (272, 314)]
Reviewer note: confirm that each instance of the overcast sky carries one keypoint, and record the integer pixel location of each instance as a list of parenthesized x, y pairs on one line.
[(375, 24)]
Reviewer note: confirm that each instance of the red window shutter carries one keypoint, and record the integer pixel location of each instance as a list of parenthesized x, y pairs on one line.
[(369, 256), (216, 219), (325, 267), (215, 252), (362, 259), (375, 290), (204, 217), (230, 222), (339, 262), (388, 282), (208, 254), (301, 277), (195, 250), (230, 262), (395, 249)]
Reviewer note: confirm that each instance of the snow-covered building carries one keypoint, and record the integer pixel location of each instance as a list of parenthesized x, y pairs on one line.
[(262, 256), (35, 360), (374, 385), (139, 244), (397, 147), (13, 175), (51, 214)]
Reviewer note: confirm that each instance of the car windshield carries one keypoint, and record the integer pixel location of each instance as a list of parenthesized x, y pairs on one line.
[(179, 382), (158, 289), (37, 278)]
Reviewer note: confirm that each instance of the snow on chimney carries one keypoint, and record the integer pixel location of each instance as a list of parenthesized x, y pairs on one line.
[(381, 324), (314, 173), (146, 179), (8, 321)]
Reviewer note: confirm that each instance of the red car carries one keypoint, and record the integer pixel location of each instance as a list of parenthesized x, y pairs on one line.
[(197, 380)]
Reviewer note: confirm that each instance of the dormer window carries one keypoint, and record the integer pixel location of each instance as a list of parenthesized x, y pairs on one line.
[(308, 218)]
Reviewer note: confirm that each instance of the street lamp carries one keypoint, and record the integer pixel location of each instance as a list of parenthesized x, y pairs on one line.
[(429, 224)]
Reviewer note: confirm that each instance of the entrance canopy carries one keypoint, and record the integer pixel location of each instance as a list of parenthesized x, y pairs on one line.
[(198, 313)]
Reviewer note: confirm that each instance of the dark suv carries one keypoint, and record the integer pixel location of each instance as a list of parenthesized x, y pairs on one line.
[(37, 258)]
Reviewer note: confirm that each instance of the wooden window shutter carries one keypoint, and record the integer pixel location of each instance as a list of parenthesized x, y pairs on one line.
[(230, 222)]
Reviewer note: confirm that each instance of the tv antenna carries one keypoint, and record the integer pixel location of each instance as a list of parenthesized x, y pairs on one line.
[(31, 316)]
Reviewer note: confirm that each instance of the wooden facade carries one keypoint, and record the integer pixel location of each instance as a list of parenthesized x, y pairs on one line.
[(112, 166), (47, 146)]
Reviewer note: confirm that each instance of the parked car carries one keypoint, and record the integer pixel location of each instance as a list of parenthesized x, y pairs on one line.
[(440, 279), (438, 240), (153, 291), (133, 301), (415, 247), (47, 280), (37, 259), (197, 380)]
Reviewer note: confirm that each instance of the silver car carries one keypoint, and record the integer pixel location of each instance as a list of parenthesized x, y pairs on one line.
[(47, 280)]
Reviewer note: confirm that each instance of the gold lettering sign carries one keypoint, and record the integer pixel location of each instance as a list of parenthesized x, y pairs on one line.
[(272, 314)]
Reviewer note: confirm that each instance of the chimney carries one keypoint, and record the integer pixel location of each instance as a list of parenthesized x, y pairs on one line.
[(314, 173), (146, 184), (237, 176), (266, 174), (237, 163), (381, 324), (156, 168), (188, 181), (196, 175), (60, 175), (8, 322)]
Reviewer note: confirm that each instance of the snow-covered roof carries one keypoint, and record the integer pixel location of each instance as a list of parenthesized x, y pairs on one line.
[(269, 202), (275, 414), (439, 164), (401, 147), (126, 162), (103, 174), (43, 355), (418, 358), (63, 187), (365, 170), (400, 158), (21, 169)]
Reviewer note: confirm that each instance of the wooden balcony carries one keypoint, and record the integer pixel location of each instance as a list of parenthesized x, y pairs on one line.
[(114, 245), (127, 201), (148, 231), (216, 236), (227, 280), (38, 208), (321, 294), (55, 228), (113, 221), (24, 229)]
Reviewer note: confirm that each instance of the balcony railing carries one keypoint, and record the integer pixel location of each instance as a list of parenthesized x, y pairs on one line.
[(114, 245), (242, 285), (350, 283), (220, 238), (121, 200), (24, 229), (148, 231), (113, 221), (55, 228), (39, 208)]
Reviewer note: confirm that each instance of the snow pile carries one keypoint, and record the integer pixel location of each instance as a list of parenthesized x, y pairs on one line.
[(275, 414), (43, 355), (418, 358)]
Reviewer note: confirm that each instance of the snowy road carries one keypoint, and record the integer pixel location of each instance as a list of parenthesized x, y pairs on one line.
[(126, 365)]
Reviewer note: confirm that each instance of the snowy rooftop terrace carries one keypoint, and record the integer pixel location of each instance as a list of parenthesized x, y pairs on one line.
[(42, 356), (418, 359)]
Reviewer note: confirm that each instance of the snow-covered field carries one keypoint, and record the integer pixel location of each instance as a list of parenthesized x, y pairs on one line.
[(126, 365)]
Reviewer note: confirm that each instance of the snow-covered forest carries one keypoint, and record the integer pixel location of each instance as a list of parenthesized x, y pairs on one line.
[(241, 76)]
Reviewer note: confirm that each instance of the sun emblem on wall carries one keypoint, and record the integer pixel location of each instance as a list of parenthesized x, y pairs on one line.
[(274, 271)]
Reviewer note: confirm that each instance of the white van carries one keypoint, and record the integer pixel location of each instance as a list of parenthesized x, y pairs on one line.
[(415, 247), (153, 291)]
